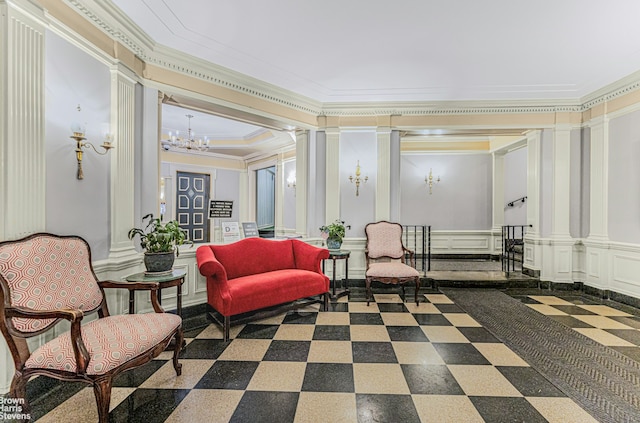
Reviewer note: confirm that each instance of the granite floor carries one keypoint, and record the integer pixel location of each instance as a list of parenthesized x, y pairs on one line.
[(387, 362)]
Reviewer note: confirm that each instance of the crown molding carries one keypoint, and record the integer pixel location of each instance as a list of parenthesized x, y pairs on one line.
[(111, 20)]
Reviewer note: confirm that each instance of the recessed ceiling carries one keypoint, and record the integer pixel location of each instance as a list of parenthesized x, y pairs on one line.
[(223, 137), (407, 50)]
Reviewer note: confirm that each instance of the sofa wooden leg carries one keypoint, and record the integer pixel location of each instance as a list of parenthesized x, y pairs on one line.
[(227, 328)]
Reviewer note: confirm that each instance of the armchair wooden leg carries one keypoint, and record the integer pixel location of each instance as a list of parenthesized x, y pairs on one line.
[(18, 390), (102, 391), (368, 290), (417, 291), (176, 352)]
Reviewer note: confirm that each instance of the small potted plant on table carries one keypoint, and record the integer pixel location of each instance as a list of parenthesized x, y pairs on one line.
[(160, 243), (334, 233)]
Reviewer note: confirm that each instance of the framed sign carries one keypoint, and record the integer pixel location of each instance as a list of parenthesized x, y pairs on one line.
[(230, 231), (250, 229), (220, 209)]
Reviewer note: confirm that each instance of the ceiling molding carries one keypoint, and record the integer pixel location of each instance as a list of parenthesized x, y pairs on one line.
[(112, 21)]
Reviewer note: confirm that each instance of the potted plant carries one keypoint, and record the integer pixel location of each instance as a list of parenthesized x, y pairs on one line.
[(334, 233), (160, 241)]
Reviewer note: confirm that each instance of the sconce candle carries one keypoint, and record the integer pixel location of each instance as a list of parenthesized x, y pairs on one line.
[(430, 180), (78, 130), (358, 179)]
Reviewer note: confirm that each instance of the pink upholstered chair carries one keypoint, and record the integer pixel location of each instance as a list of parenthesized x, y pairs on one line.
[(45, 278), (386, 258)]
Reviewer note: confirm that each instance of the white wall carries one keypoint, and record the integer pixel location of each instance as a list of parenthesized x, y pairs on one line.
[(578, 228), (359, 210), (79, 207), (461, 200), (624, 174), (515, 186)]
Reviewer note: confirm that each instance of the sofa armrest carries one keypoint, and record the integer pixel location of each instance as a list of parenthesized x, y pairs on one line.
[(308, 257), (208, 264)]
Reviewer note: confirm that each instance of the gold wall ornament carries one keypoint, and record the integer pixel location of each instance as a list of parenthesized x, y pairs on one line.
[(358, 179), (431, 181), (78, 130)]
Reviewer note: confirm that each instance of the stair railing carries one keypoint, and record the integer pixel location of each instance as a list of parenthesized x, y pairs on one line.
[(418, 239), (513, 247)]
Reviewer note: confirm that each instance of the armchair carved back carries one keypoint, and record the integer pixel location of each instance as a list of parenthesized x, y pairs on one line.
[(47, 272), (384, 240)]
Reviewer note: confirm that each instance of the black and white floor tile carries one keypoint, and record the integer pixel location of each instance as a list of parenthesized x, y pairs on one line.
[(387, 362)]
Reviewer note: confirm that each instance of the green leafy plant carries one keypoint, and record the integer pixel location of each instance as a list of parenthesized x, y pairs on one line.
[(336, 229), (158, 237)]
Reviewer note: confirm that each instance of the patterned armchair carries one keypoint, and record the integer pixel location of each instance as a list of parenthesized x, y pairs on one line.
[(45, 278), (386, 258)]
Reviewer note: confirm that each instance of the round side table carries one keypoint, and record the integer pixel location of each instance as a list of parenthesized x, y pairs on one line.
[(164, 280), (335, 255)]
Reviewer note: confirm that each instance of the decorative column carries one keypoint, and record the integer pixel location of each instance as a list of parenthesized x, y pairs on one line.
[(332, 175), (279, 185), (396, 183), (597, 243), (497, 215), (302, 181), (383, 177), (562, 243), (22, 143), (122, 162), (532, 247)]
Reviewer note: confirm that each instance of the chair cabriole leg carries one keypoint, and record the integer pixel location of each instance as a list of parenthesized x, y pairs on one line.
[(176, 351), (102, 391), (18, 390)]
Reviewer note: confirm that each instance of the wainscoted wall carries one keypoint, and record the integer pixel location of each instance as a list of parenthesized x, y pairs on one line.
[(601, 248)]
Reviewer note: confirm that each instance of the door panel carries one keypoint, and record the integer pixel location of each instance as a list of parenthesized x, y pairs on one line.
[(191, 205)]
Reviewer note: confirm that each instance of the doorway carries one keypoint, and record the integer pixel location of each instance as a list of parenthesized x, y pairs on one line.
[(266, 201)]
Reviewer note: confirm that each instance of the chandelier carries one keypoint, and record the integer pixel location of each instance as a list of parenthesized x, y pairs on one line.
[(190, 142)]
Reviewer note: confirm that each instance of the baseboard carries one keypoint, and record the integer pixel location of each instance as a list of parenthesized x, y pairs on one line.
[(492, 257)]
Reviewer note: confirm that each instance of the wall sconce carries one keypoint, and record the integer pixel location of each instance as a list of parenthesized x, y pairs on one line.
[(78, 130), (430, 180), (358, 179), (291, 180)]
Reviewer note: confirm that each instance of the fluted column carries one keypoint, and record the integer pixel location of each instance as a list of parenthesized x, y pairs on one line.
[(22, 144), (302, 181), (597, 243), (383, 177), (279, 194), (122, 162), (333, 175), (532, 249), (561, 253), (497, 215)]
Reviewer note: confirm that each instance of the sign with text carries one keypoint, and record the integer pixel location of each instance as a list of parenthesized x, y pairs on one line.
[(220, 208), (250, 229), (230, 231)]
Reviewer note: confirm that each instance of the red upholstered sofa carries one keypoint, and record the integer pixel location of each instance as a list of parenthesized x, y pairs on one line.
[(255, 273)]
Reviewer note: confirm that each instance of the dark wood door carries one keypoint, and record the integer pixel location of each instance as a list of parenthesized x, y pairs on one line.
[(191, 205)]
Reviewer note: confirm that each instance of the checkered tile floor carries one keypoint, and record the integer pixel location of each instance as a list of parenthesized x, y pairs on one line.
[(389, 362)]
